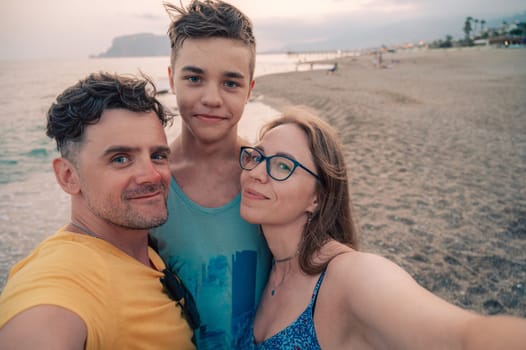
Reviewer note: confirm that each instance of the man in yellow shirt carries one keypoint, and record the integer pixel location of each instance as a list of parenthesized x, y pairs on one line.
[(96, 284)]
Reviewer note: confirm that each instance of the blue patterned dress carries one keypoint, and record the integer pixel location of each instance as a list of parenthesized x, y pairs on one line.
[(300, 334)]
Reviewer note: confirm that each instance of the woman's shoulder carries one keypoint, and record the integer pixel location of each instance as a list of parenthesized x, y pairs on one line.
[(348, 266), (340, 256)]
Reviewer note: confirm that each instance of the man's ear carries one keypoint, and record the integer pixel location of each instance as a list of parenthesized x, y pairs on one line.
[(66, 175)]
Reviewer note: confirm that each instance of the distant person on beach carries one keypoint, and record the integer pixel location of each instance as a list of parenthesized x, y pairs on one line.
[(333, 69), (223, 260), (96, 284), (378, 59), (322, 292)]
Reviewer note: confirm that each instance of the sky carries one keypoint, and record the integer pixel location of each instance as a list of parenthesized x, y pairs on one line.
[(62, 29)]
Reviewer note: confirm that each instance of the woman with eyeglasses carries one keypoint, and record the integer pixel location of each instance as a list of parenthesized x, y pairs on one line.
[(322, 292)]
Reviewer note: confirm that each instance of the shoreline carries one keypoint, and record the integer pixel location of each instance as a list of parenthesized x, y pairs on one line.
[(435, 144)]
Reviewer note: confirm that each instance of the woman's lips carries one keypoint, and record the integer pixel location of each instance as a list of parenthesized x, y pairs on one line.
[(253, 194)]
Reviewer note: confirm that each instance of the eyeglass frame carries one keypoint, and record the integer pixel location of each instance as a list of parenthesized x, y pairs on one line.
[(267, 161), (178, 292)]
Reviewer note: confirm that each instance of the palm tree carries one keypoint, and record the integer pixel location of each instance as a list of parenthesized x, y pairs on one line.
[(482, 23), (504, 28), (448, 42), (467, 27), (476, 20)]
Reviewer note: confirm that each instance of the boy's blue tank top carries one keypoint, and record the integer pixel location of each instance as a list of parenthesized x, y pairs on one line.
[(222, 259)]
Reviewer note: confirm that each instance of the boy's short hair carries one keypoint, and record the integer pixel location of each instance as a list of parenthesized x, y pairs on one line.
[(209, 19)]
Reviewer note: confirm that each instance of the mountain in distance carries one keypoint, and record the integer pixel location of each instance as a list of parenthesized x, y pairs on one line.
[(138, 45)]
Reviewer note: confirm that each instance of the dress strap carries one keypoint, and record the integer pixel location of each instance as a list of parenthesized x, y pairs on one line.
[(315, 291)]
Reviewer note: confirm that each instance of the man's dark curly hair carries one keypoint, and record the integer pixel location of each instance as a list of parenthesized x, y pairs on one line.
[(83, 104), (209, 19)]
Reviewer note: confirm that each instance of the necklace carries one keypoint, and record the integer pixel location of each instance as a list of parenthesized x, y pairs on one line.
[(277, 261), (274, 261), (84, 230), (273, 291)]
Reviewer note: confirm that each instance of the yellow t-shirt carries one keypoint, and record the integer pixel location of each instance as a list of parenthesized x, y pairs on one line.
[(120, 300)]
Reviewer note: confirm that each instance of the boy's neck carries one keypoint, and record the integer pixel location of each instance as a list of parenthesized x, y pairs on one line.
[(190, 148)]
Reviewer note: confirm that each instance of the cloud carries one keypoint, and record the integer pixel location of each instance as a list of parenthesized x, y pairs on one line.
[(78, 28), (150, 17)]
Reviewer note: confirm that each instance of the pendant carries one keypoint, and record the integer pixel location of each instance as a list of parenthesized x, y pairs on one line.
[(272, 292)]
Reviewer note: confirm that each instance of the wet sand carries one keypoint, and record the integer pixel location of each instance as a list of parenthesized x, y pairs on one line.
[(436, 148)]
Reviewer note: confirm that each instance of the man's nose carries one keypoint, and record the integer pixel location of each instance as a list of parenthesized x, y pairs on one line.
[(148, 172)]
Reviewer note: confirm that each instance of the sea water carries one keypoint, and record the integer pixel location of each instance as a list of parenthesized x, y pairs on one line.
[(32, 206)]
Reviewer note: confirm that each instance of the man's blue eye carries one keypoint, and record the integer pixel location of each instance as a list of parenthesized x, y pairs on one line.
[(120, 159), (160, 156)]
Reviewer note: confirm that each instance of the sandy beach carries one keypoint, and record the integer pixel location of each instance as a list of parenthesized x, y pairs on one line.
[(436, 148)]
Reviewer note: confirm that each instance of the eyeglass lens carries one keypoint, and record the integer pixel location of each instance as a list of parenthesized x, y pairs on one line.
[(278, 167)]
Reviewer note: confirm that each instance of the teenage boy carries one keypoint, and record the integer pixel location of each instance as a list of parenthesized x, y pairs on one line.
[(96, 284), (222, 259)]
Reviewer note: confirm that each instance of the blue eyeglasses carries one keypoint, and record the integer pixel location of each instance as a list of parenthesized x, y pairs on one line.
[(279, 167)]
